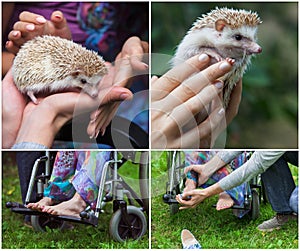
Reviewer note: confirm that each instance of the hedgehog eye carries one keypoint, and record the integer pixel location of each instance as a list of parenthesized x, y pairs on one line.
[(238, 37), (83, 81)]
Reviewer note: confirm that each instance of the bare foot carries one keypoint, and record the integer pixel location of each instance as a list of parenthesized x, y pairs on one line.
[(46, 201), (225, 201), (72, 207)]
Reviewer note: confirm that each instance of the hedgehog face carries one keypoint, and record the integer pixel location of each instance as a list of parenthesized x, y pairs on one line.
[(88, 84), (237, 43)]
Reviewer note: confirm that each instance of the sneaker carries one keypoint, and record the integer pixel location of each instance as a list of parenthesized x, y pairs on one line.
[(275, 223), (189, 241)]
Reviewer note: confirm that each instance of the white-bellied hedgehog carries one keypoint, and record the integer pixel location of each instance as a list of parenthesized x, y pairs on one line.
[(49, 64), (223, 33)]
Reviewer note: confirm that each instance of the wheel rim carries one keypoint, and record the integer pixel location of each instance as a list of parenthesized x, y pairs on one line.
[(133, 230)]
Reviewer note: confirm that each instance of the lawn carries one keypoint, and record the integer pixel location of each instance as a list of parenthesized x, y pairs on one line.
[(15, 235), (213, 229)]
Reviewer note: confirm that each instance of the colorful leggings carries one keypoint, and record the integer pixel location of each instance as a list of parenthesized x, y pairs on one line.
[(76, 172), (201, 157)]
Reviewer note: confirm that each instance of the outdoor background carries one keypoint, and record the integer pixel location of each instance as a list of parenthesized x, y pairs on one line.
[(213, 229), (16, 235), (268, 112)]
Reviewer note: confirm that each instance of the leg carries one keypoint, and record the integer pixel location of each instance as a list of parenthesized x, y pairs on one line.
[(279, 185), (72, 207)]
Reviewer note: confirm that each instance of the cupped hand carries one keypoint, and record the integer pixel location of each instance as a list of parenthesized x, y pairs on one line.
[(129, 63)]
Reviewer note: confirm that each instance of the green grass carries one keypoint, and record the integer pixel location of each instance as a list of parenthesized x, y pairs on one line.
[(15, 235), (213, 229)]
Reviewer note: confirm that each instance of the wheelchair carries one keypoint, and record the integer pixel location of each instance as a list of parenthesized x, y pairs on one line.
[(129, 208), (254, 194)]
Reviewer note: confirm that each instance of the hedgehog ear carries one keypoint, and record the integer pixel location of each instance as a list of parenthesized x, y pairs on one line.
[(76, 73), (220, 24)]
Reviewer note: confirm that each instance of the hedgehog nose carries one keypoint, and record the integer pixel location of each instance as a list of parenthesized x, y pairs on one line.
[(259, 50)]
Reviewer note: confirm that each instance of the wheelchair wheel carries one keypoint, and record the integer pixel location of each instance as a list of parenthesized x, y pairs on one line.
[(174, 208), (255, 205), (120, 231), (40, 222)]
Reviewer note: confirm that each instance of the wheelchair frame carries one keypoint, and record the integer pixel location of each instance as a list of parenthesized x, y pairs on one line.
[(128, 221)]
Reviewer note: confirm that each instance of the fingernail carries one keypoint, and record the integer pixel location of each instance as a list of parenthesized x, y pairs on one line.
[(225, 66), (203, 57), (221, 111), (57, 16), (41, 20), (7, 43), (96, 135), (30, 27), (15, 33), (219, 85), (124, 96)]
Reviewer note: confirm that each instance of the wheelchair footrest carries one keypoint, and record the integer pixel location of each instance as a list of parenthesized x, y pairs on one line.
[(21, 209)]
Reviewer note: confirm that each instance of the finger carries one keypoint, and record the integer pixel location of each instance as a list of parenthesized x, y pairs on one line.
[(114, 94), (30, 17), (235, 100), (11, 47), (145, 46), (179, 73), (24, 27), (185, 112), (123, 71), (196, 83), (194, 137), (58, 19)]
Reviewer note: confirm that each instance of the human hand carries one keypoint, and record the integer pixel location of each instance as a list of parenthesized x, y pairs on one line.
[(31, 25), (182, 93), (200, 169), (129, 63), (195, 196), (13, 105), (41, 122)]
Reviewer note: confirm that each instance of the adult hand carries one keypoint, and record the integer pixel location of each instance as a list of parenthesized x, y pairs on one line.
[(31, 25), (182, 93), (13, 105), (197, 196), (129, 63), (200, 169)]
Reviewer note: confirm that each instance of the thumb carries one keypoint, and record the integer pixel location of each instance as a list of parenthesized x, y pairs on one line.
[(115, 94)]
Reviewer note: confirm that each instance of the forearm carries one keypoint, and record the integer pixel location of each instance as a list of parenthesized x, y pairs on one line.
[(227, 156), (258, 163), (219, 160)]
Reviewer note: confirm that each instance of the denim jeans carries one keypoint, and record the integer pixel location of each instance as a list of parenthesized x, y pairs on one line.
[(279, 183), (294, 200)]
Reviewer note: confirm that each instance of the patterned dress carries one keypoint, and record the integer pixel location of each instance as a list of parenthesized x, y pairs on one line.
[(77, 172), (202, 157)]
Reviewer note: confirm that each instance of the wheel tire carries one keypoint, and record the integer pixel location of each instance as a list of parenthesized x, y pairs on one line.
[(40, 222), (118, 229), (255, 205), (174, 208)]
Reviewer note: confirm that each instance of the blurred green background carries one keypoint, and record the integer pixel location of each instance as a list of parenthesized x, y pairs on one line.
[(268, 113)]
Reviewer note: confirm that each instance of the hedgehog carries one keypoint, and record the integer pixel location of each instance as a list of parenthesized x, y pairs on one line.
[(49, 64), (223, 33)]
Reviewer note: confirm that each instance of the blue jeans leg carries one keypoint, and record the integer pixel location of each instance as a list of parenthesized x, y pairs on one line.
[(279, 184)]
